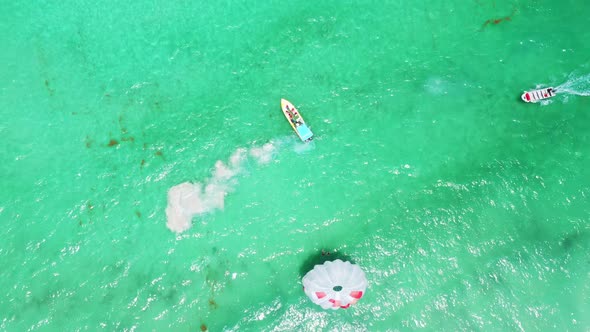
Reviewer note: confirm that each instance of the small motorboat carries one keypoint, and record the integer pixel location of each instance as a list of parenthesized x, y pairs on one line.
[(296, 121), (534, 96)]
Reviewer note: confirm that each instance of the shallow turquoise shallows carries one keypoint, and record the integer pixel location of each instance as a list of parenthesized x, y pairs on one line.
[(467, 209)]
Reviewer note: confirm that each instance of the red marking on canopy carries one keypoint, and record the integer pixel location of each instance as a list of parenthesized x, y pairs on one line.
[(334, 303), (345, 306), (527, 96), (356, 294), (320, 294)]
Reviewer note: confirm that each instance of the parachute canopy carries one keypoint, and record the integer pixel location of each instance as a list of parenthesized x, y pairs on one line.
[(335, 284)]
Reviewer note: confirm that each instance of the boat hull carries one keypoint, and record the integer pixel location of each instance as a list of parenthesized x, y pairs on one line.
[(296, 121), (534, 96)]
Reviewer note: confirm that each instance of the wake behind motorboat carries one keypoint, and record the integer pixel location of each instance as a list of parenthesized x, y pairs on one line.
[(534, 96)]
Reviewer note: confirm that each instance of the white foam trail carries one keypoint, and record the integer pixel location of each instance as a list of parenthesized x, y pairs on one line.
[(576, 85), (436, 86), (187, 199), (263, 154), (301, 148)]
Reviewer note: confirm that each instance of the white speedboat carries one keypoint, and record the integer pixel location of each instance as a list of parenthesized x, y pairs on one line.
[(296, 121), (534, 96)]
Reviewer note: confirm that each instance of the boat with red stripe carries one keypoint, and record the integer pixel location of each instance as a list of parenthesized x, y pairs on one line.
[(534, 96)]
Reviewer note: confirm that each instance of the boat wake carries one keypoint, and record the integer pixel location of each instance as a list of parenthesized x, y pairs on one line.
[(576, 86), (188, 199), (303, 147)]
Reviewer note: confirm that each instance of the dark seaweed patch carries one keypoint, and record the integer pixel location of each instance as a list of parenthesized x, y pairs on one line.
[(574, 239), (48, 88), (212, 303), (498, 20), (88, 142)]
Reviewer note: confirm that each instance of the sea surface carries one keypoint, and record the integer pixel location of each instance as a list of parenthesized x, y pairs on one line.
[(467, 209)]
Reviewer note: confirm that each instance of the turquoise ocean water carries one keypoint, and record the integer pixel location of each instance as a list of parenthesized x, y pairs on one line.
[(467, 208)]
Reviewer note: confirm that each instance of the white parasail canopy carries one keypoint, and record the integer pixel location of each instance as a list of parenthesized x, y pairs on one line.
[(335, 284)]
